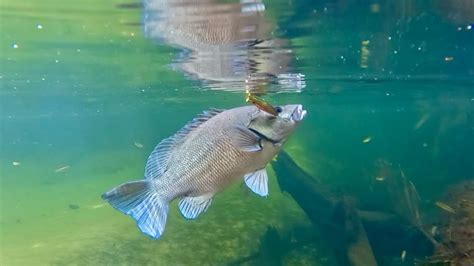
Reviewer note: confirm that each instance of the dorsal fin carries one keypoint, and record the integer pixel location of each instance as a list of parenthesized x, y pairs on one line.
[(157, 162)]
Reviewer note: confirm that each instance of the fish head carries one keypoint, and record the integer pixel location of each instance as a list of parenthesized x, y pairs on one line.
[(277, 128)]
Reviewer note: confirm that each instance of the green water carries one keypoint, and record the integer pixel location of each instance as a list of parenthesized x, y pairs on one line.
[(82, 87)]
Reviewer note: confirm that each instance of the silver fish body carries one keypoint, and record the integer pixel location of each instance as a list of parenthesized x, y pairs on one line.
[(211, 161), (215, 149)]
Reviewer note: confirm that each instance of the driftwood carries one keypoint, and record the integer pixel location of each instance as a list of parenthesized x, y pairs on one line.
[(357, 237), (403, 196), (272, 250), (335, 217)]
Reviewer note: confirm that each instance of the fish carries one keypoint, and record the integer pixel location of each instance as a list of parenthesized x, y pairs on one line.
[(367, 140), (466, 203), (37, 245), (73, 206), (16, 163), (422, 121), (138, 145), (97, 206), (380, 178), (364, 54), (445, 207), (434, 229), (62, 169), (403, 255), (214, 150)]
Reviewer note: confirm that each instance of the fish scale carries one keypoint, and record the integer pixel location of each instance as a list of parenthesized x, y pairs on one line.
[(196, 172), (203, 158)]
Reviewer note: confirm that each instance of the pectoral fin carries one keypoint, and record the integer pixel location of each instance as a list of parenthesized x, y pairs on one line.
[(245, 139), (191, 207), (258, 182)]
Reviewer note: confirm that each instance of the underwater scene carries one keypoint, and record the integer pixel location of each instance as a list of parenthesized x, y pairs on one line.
[(290, 132)]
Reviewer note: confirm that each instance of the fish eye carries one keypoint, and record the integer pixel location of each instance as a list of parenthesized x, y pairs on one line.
[(278, 109)]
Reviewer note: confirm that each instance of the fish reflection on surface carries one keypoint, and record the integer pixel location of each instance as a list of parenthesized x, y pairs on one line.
[(226, 44)]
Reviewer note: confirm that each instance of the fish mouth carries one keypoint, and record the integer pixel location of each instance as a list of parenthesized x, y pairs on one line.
[(299, 113)]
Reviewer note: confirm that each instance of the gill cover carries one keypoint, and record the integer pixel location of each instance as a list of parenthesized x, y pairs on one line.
[(277, 128)]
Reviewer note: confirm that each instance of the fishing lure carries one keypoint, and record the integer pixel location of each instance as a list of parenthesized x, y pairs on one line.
[(262, 104)]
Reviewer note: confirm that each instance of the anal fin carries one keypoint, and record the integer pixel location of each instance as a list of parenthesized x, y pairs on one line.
[(192, 207)]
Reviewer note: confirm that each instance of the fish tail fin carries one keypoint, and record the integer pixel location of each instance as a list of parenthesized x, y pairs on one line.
[(138, 200)]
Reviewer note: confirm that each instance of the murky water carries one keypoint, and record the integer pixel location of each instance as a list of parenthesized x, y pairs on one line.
[(87, 89)]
